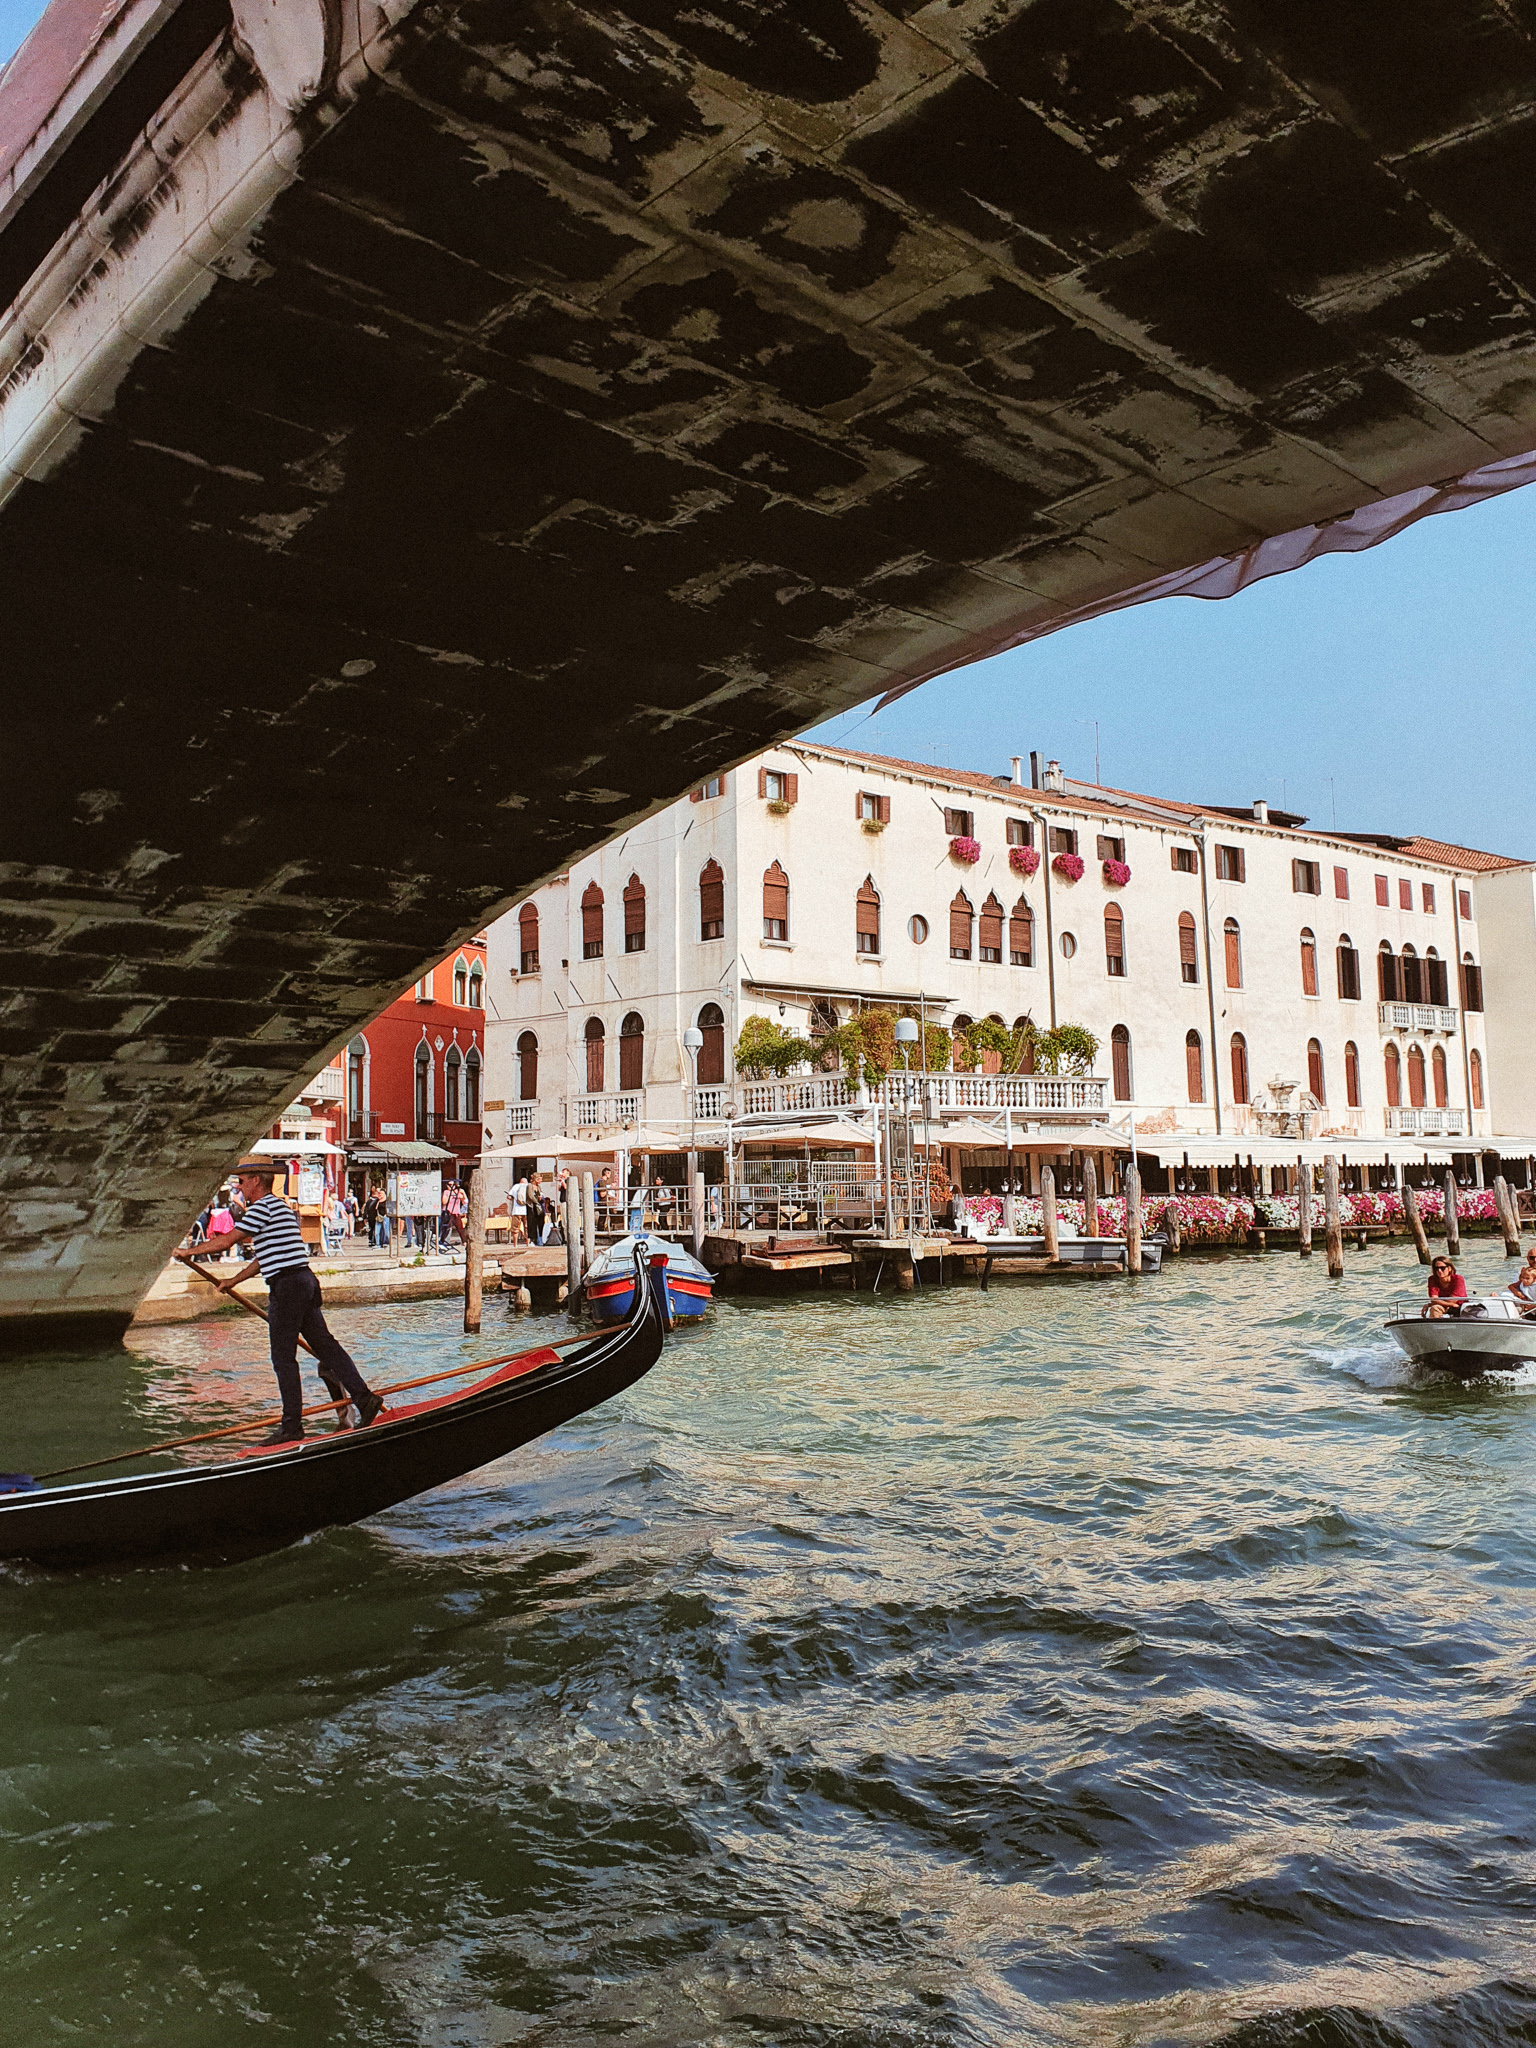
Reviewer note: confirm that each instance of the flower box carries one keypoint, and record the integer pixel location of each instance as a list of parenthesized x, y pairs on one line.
[(1069, 866), (780, 806), (966, 851), (1116, 873), (1024, 860), (873, 826)]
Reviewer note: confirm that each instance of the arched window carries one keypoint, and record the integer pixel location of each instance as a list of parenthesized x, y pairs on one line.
[(775, 903), (712, 1052), (1315, 1069), (1413, 980), (594, 1038), (1394, 1070), (1477, 1080), (1349, 970), (960, 927), (1352, 1074), (1471, 983), (1308, 962), (712, 901), (1415, 1077), (451, 1066), (990, 935), (1027, 1064), (527, 1066), (1437, 981), (632, 1051), (460, 984), (1189, 958), (634, 915), (1114, 939), (1441, 1078), (357, 1085), (423, 1089), (1239, 1067), (592, 922), (866, 918), (1389, 970), (477, 987), (1194, 1066), (1232, 943), (1021, 936), (472, 1086), (528, 939), (1120, 1062)]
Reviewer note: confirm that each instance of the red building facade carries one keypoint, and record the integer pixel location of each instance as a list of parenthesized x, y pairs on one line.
[(418, 1070)]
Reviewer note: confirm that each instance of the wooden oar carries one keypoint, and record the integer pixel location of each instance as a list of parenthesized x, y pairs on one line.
[(234, 1294), (208, 1436)]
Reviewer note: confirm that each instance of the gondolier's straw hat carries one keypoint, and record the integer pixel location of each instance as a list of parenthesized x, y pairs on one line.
[(267, 1166)]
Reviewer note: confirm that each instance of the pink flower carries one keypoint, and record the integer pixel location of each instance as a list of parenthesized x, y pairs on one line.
[(967, 850), (1023, 860), (1069, 866), (1117, 872)]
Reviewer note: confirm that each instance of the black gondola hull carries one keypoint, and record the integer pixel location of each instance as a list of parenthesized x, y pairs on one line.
[(218, 1513)]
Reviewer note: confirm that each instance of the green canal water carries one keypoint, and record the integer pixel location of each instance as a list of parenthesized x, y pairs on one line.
[(1076, 1663)]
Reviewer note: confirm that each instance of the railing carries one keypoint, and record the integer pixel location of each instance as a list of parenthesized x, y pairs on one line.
[(709, 1104), (1428, 1123), (519, 1118), (818, 1091), (584, 1112), (1416, 1017), (329, 1085), (1032, 1094)]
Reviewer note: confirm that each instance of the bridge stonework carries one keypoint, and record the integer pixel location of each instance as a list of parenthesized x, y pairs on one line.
[(433, 436)]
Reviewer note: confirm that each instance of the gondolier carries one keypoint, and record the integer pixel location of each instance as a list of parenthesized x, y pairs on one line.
[(271, 1230)]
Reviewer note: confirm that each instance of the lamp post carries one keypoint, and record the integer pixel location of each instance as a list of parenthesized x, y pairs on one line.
[(693, 1040), (906, 1038)]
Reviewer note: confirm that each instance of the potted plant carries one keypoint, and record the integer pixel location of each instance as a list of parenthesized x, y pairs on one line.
[(1069, 866), (1024, 860), (1116, 873), (780, 806), (873, 825), (966, 851)]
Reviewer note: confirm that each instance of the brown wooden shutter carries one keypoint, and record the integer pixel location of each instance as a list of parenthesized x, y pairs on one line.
[(1394, 1072), (712, 901), (1233, 947), (1194, 1068), (1315, 1070), (762, 781), (696, 796), (1120, 1062), (867, 909), (1416, 1077), (527, 1067), (1442, 1088), (1477, 1080), (634, 908), (632, 1051), (1021, 935), (776, 897), (960, 927), (885, 809), (528, 939), (792, 789), (992, 928), (594, 1057), (1341, 884), (1188, 957), (1239, 1067), (1352, 1074), (591, 916), (1114, 938), (1471, 986), (1308, 964)]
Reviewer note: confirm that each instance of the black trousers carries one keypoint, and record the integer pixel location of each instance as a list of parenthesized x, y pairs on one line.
[(293, 1311)]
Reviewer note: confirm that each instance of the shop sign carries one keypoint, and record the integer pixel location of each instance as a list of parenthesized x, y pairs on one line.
[(418, 1193), (391, 1130)]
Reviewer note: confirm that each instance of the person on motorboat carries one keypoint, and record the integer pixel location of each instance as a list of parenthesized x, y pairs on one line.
[(1445, 1284), (1523, 1286), (271, 1229)]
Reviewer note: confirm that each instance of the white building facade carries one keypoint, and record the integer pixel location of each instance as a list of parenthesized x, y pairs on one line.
[(1242, 973)]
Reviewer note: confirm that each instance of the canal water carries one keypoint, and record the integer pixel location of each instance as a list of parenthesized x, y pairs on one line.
[(1075, 1663)]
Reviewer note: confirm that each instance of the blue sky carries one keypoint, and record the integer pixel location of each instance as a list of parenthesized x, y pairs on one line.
[(1390, 691)]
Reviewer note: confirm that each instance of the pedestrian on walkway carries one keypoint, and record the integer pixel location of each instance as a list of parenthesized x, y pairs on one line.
[(271, 1230)]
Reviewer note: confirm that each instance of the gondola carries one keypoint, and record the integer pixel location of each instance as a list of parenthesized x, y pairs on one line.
[(260, 1500)]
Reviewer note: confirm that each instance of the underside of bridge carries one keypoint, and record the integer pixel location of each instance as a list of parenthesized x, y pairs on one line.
[(435, 436)]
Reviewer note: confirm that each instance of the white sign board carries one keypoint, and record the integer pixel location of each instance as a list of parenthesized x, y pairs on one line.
[(391, 1130), (311, 1185), (418, 1193)]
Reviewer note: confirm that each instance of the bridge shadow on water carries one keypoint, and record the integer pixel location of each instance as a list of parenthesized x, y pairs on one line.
[(1077, 1662)]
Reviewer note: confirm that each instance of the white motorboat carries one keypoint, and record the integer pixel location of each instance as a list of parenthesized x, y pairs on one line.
[(1489, 1333)]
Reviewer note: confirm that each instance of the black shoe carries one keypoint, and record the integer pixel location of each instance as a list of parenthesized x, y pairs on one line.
[(369, 1408), (283, 1436)]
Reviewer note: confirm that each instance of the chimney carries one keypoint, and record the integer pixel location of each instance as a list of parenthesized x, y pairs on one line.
[(1034, 771), (1017, 776), (1053, 778), (1260, 810)]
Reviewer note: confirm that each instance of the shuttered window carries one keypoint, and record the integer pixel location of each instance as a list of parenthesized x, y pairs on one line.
[(871, 808), (1442, 1079), (1182, 859), (1427, 897), (1109, 848), (1471, 985), (634, 915), (1020, 832), (528, 939), (1404, 894), (1389, 975), (960, 927), (1394, 1076), (1477, 1080), (1415, 1077), (1114, 939), (1413, 980), (1341, 884), (1120, 1062), (991, 933), (1306, 878), (957, 824), (527, 1067), (1383, 892), (1464, 903), (712, 901), (713, 788), (592, 922), (711, 1066), (594, 1036), (1194, 1067), (1308, 963), (1021, 935), (1239, 1067), (1437, 981), (866, 918), (775, 903), (1315, 1070), (1062, 839), (1352, 1074), (1232, 947), (1230, 864), (778, 786), (1189, 959), (632, 1051), (1349, 971)]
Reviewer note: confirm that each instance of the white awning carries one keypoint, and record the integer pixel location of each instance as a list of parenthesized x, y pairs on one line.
[(1173, 1148), (296, 1148)]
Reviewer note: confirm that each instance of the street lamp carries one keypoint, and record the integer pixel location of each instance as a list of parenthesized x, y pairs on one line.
[(906, 1038), (693, 1040)]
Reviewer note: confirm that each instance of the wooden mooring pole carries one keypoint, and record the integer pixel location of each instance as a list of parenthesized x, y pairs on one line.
[(474, 1249), (1048, 1213), (1333, 1239), (1304, 1208), (1090, 1197), (1415, 1220), (696, 1199), (572, 1239), (1509, 1222), (1132, 1220), (1452, 1219), (1174, 1228), (588, 1223)]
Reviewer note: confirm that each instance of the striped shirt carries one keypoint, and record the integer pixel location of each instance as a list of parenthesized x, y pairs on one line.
[(273, 1230)]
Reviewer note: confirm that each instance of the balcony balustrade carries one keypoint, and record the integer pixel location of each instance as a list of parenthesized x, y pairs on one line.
[(602, 1112), (1427, 1123), (1029, 1094), (520, 1118), (1416, 1017)]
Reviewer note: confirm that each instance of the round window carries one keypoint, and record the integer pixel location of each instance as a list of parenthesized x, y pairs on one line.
[(917, 929), (1068, 945)]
